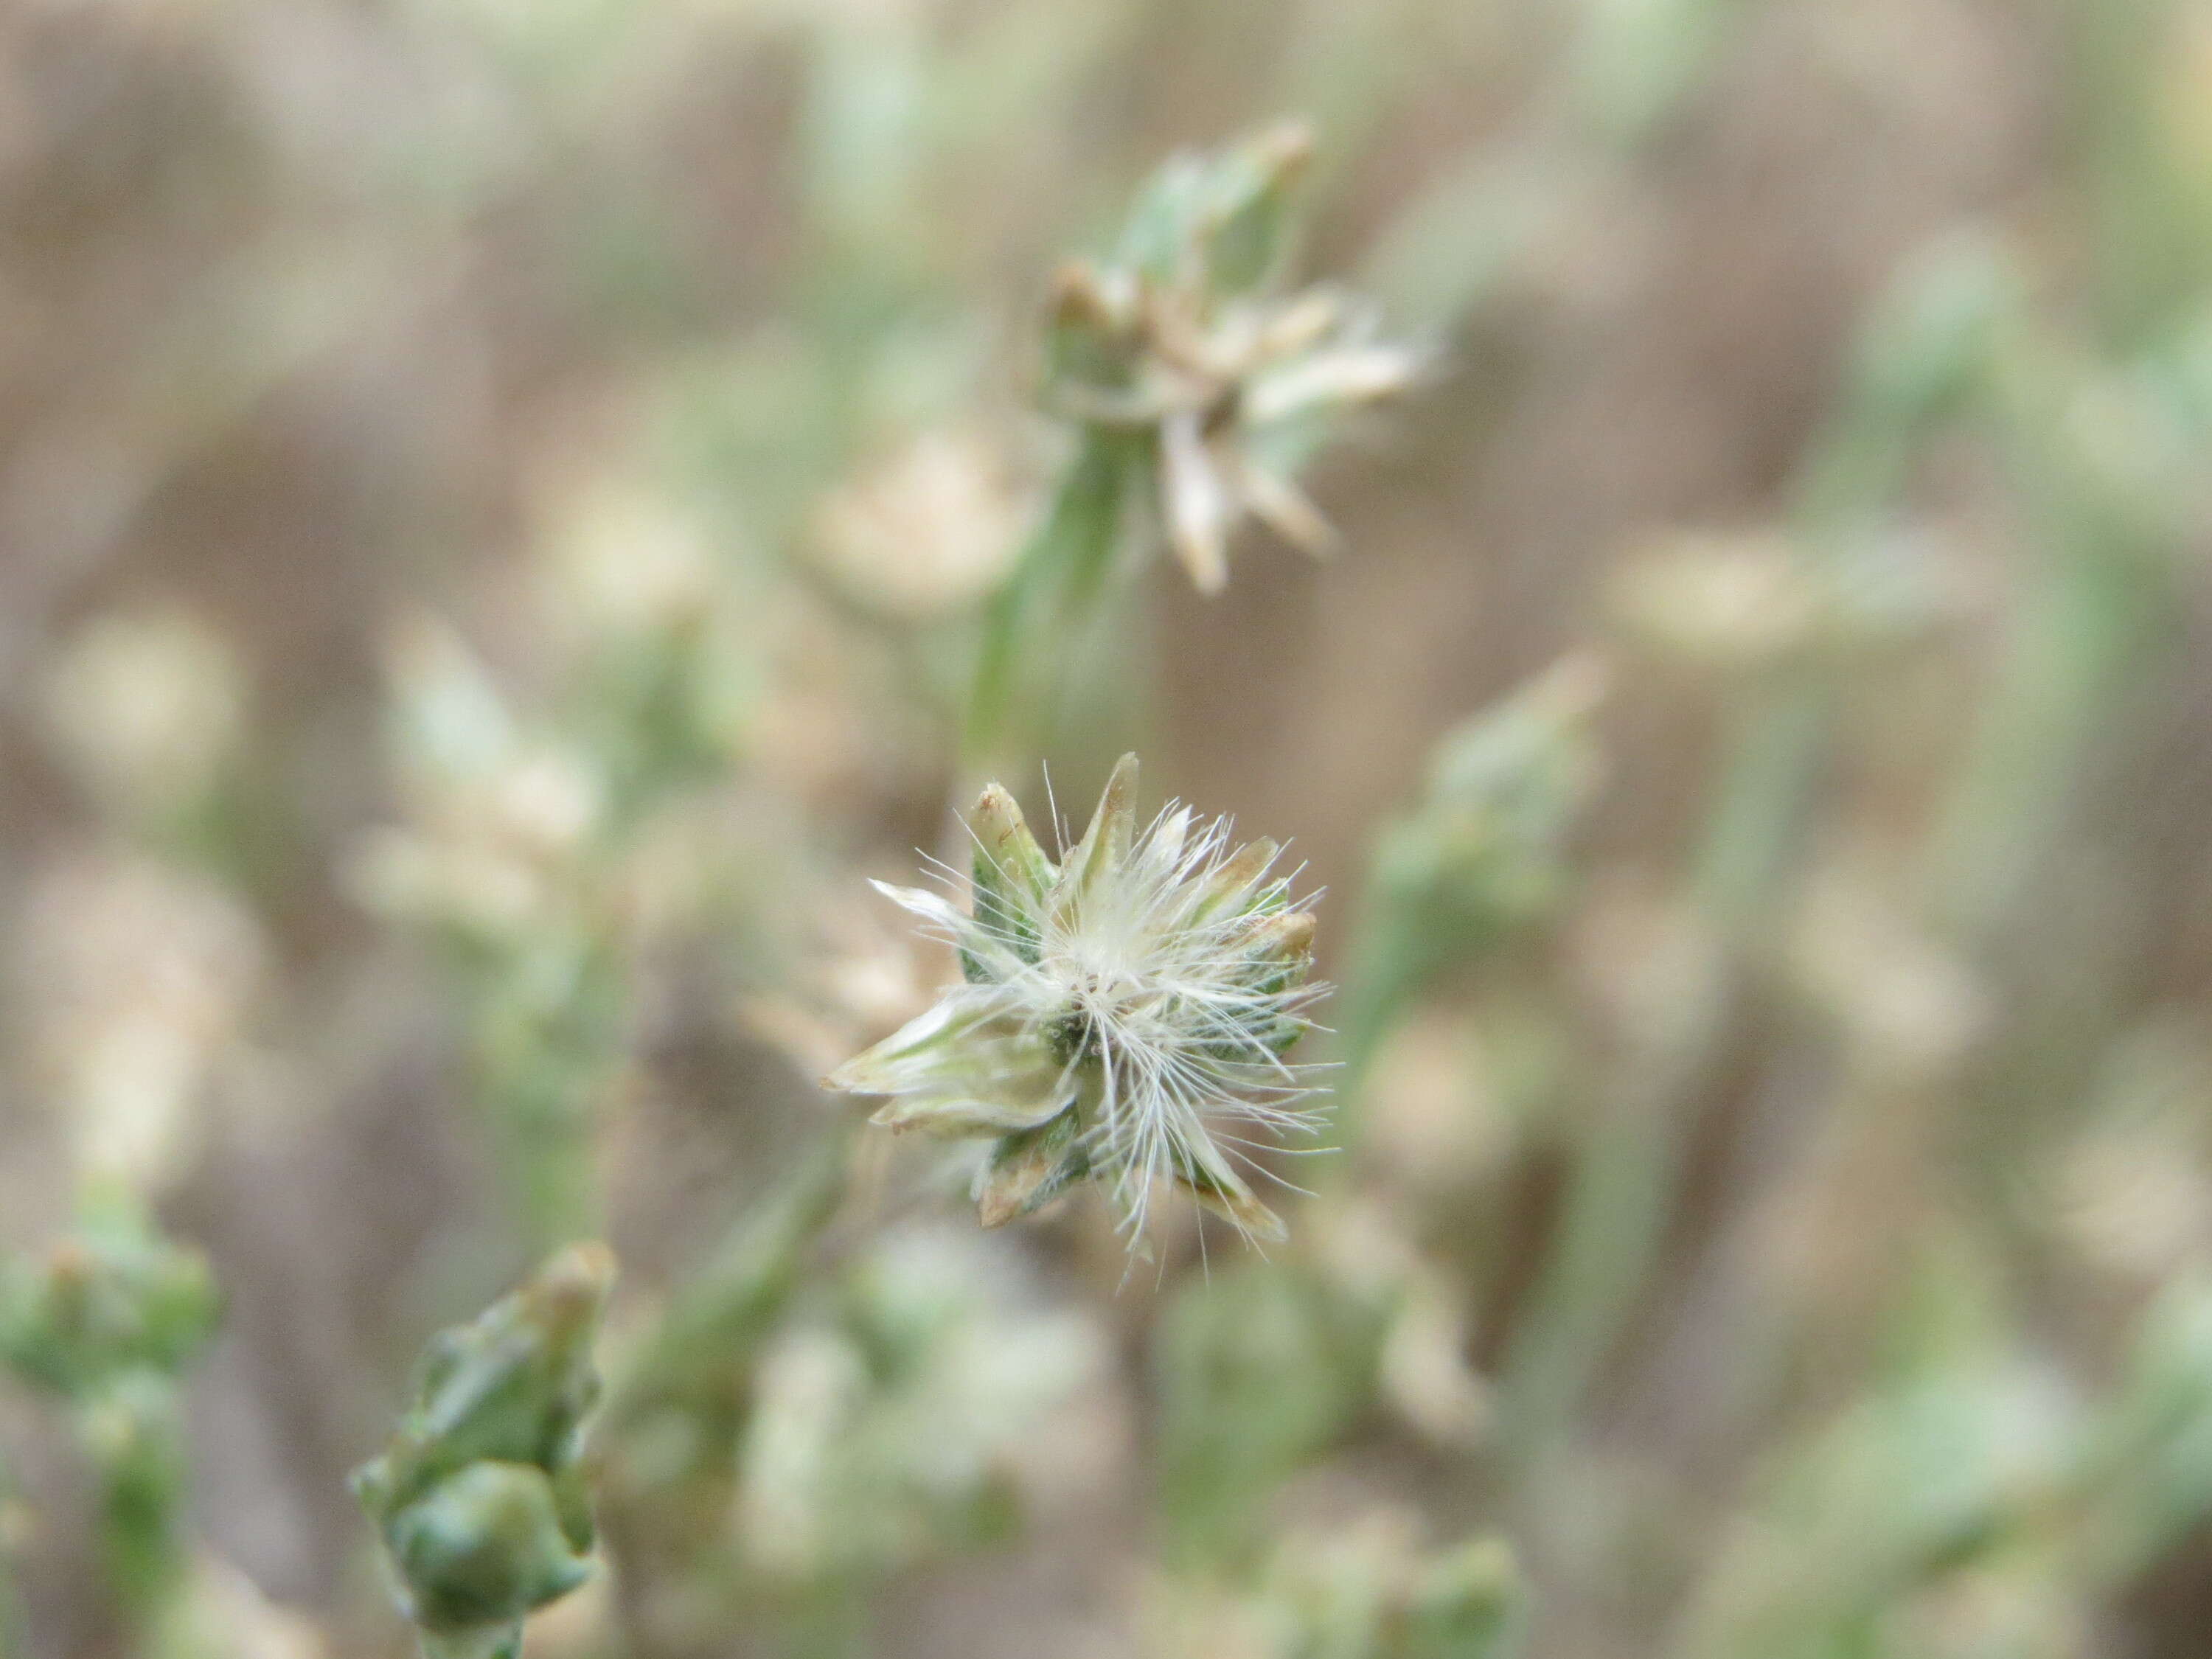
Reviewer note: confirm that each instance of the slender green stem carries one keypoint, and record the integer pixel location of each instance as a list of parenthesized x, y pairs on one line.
[(1058, 581), (12, 1644), (723, 1312), (1777, 747), (1617, 1212), (669, 1436), (2097, 603), (1921, 354)]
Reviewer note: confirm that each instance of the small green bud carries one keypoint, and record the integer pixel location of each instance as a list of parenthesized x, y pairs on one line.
[(1244, 222), (480, 1500), (1234, 878), (113, 1298), (1091, 330), (483, 1547), (1026, 1171), (1105, 845), (107, 1319)]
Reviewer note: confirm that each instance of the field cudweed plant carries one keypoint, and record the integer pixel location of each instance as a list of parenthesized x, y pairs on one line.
[(1767, 1204)]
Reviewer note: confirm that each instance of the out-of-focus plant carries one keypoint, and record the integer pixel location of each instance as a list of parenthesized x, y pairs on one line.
[(1482, 856), (223, 1614), (1781, 626), (1781, 1207), (1259, 1371), (2141, 1480), (481, 1499), (927, 533), (534, 835), (106, 1321), (1198, 389), (147, 709), (1967, 1500), (1370, 1591), (680, 1402), (139, 983), (1181, 337), (891, 1424), (1265, 1370), (1377, 1594), (499, 860), (790, 1431)]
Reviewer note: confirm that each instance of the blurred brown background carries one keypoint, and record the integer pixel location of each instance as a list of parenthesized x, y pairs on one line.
[(318, 320)]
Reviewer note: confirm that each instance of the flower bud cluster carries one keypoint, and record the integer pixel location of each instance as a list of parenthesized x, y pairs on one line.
[(108, 1320), (480, 1498)]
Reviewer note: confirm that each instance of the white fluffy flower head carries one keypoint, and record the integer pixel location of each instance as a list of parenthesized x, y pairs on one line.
[(1124, 1017)]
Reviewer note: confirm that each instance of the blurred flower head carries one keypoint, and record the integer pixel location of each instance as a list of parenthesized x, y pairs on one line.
[(927, 533), (135, 980), (1183, 338), (902, 1426), (497, 817), (865, 977), (621, 558), (145, 708), (1746, 603), (1124, 1017)]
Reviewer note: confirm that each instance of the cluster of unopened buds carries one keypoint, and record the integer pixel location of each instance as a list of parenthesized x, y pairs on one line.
[(106, 1322), (480, 1499)]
